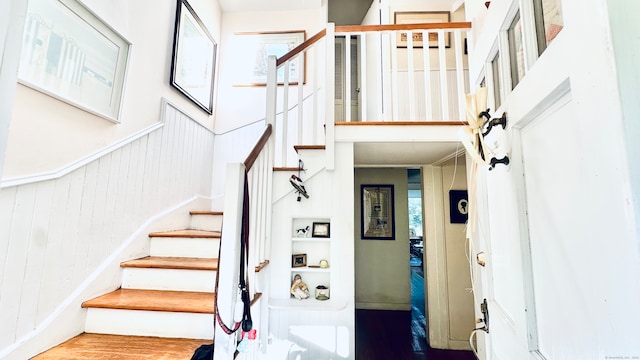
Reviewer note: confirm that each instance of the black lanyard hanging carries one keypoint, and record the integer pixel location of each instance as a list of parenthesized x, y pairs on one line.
[(243, 281)]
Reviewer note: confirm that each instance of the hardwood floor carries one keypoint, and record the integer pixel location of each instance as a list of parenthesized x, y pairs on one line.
[(400, 335), (115, 347)]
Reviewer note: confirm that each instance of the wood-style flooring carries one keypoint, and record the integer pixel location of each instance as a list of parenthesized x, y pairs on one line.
[(116, 347), (401, 335)]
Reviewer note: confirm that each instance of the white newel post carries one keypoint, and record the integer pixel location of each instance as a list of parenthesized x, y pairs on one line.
[(330, 97), (228, 263)]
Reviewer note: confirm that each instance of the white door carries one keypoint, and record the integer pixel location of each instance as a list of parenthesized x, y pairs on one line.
[(519, 232), (340, 81)]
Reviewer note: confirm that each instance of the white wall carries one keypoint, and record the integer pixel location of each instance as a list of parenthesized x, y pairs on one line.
[(382, 266), (450, 304), (300, 327), (460, 299), (62, 239), (47, 134), (239, 104), (560, 224)]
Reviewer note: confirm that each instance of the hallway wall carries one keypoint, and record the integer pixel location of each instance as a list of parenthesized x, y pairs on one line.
[(450, 304), (382, 275)]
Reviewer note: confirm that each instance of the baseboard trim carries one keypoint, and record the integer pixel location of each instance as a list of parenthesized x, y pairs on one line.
[(382, 306)]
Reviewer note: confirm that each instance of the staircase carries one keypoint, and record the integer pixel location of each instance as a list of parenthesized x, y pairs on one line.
[(164, 308)]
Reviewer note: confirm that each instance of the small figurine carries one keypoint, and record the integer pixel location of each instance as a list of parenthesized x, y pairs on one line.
[(298, 184), (299, 289), (303, 232)]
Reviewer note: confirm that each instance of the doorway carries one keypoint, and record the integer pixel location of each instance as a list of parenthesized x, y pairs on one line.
[(416, 256), (347, 79)]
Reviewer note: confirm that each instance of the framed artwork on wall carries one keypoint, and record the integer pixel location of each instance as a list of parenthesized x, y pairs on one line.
[(320, 229), (70, 54), (298, 260), (458, 206), (263, 44), (422, 17), (194, 57), (377, 220)]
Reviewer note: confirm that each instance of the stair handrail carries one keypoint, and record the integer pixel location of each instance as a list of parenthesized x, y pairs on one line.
[(258, 147), (252, 180)]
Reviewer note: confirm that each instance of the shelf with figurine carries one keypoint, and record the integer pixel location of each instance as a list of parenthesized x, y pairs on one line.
[(308, 297), (307, 229), (299, 263)]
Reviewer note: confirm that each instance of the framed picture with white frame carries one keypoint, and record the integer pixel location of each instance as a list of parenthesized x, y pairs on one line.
[(72, 55)]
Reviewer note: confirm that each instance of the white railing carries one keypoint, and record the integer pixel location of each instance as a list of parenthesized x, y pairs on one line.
[(376, 80), (257, 171)]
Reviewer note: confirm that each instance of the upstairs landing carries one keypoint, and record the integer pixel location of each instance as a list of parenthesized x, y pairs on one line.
[(394, 143)]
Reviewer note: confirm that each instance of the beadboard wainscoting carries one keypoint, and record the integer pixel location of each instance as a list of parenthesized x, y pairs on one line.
[(58, 230), (232, 147)]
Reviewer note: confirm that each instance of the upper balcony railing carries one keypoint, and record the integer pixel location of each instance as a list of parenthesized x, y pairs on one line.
[(365, 73)]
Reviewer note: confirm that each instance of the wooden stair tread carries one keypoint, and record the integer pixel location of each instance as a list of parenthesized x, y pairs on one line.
[(155, 300), (119, 347), (197, 212), (297, 148), (160, 262), (187, 233)]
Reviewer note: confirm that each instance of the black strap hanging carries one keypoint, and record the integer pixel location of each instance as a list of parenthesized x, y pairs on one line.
[(243, 281), (247, 323)]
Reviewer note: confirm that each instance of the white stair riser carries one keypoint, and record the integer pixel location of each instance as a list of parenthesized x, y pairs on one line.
[(184, 247), (206, 222), (168, 279), (149, 323)]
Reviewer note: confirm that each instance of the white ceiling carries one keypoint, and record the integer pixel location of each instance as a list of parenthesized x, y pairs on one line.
[(341, 12), (268, 5), (404, 153)]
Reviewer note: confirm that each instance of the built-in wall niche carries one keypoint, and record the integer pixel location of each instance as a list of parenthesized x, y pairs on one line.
[(311, 251), (310, 261)]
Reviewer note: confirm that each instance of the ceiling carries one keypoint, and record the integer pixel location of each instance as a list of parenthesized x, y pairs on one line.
[(403, 153), (341, 12)]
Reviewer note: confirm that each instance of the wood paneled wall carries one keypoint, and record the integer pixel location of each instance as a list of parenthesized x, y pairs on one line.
[(55, 233)]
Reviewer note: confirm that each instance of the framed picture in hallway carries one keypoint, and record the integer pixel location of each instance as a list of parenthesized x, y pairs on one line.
[(422, 17), (458, 206), (258, 46), (194, 57), (377, 220)]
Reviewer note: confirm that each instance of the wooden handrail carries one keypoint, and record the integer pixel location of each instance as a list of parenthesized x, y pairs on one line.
[(426, 26), (300, 48), (253, 155), (261, 266), (364, 28)]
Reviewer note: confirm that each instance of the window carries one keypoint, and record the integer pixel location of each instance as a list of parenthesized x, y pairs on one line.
[(495, 69), (415, 213), (548, 15), (516, 50)]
